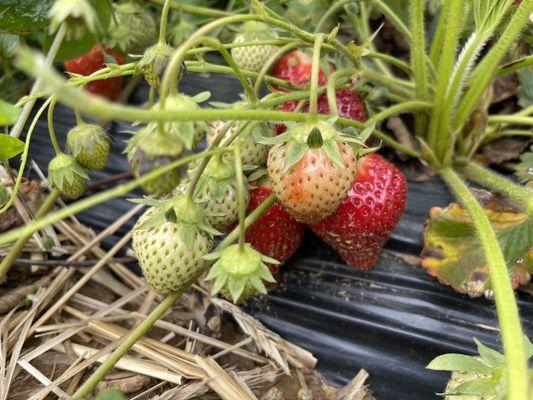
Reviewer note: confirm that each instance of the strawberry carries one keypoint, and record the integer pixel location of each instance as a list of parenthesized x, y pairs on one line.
[(239, 272), (275, 233), (134, 30), (252, 58), (93, 61), (67, 175), (216, 192), (170, 240), (311, 167), (149, 149), (361, 225), (349, 105), (295, 67), (89, 144), (252, 152), (153, 63)]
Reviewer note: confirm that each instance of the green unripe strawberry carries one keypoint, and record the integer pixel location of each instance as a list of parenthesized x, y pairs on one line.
[(217, 193), (189, 132), (253, 58), (239, 270), (67, 175), (89, 144), (134, 30), (154, 62), (170, 240), (252, 152), (150, 149)]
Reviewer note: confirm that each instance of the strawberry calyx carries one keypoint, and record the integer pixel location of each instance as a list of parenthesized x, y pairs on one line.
[(189, 132), (67, 175), (89, 144), (78, 16), (238, 269), (256, 30), (321, 134)]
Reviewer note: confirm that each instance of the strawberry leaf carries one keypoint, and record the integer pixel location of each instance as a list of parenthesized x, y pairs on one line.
[(452, 252), (10, 146), (490, 356), (458, 362), (202, 96), (8, 113), (477, 387)]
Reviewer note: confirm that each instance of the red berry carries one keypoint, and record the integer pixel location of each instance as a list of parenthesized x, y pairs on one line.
[(93, 61), (349, 104), (295, 67), (361, 225), (275, 233)]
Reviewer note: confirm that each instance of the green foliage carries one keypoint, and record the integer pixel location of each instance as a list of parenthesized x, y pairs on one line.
[(24, 16), (110, 394), (10, 146), (8, 113)]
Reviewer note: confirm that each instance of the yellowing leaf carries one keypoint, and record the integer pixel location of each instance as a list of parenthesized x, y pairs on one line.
[(452, 252)]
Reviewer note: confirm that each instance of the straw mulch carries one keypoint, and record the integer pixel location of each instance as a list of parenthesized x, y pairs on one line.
[(67, 303)]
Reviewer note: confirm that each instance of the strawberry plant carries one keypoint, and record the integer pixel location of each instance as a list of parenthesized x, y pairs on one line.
[(311, 129)]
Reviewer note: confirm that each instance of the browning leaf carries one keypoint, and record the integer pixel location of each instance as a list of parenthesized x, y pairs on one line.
[(452, 252)]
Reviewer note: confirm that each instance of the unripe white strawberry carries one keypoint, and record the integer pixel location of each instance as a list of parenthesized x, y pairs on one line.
[(253, 58)]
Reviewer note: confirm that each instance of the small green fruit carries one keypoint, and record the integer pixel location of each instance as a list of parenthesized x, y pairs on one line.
[(253, 58), (67, 175), (89, 144), (154, 62)]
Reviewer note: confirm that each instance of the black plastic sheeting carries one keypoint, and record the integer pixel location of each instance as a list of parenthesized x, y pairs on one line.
[(391, 320)]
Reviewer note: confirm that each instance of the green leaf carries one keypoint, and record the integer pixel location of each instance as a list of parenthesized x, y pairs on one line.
[(10, 146), (110, 394), (524, 169), (8, 43), (458, 362), (525, 94), (477, 387), (490, 356), (24, 16), (8, 113), (202, 96), (453, 254)]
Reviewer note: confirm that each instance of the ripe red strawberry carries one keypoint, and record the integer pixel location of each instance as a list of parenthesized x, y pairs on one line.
[(295, 67), (275, 233), (93, 61), (349, 104), (361, 225)]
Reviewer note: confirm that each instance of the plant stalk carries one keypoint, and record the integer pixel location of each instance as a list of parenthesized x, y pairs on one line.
[(315, 72), (516, 372)]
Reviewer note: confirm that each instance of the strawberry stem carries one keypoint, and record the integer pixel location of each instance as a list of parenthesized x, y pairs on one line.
[(241, 194), (51, 129), (163, 25), (332, 84), (506, 307), (315, 71)]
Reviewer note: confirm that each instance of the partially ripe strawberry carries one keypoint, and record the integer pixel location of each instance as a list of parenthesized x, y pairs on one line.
[(275, 233), (252, 152), (253, 58), (295, 67), (133, 28), (93, 61), (89, 144), (349, 105), (311, 173), (149, 149), (362, 223), (239, 270), (67, 175), (170, 240)]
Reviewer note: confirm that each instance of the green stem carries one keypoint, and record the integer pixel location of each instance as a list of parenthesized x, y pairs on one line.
[(315, 71), (51, 129), (264, 70), (332, 83), (438, 37), (160, 310), (492, 180), (391, 15), (516, 373), (77, 115), (364, 27), (163, 26), (335, 7), (515, 66), (196, 10), (401, 108), (396, 86), (24, 157), (418, 58), (16, 250), (511, 119), (485, 71), (240, 192), (101, 197), (445, 66)]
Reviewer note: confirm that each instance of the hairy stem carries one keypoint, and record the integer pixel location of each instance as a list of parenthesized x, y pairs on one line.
[(164, 19), (240, 192), (514, 66), (51, 129), (418, 58), (160, 310), (438, 37), (492, 180), (16, 250), (315, 71), (509, 320)]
